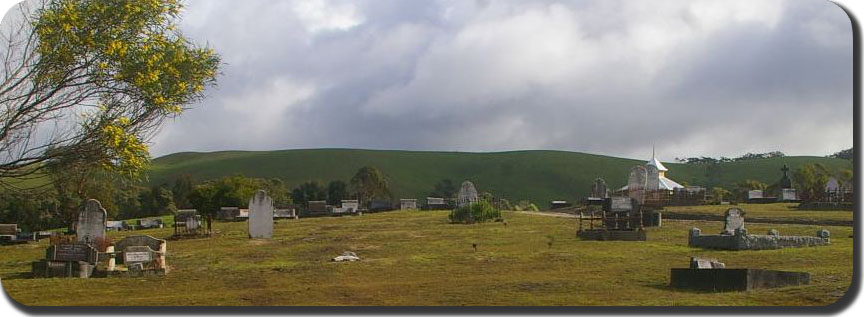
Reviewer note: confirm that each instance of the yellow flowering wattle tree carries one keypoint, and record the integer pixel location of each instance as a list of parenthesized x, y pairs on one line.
[(87, 82)]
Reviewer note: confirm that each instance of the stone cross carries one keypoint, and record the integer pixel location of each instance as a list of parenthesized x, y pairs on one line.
[(467, 194), (734, 221), (92, 221), (261, 216)]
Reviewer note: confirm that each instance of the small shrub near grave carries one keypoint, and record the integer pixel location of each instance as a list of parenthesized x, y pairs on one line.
[(481, 211)]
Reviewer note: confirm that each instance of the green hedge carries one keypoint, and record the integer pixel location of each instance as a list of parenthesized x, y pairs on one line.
[(477, 212)]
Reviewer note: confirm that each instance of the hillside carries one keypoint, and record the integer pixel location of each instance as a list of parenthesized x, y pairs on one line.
[(539, 176)]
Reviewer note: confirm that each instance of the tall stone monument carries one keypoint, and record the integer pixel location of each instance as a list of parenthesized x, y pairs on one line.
[(261, 216), (467, 194), (636, 183), (92, 222), (600, 190)]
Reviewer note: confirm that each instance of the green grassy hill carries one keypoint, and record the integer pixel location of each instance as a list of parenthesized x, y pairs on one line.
[(539, 176)]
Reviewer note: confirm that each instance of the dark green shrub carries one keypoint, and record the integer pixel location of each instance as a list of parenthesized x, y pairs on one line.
[(477, 212)]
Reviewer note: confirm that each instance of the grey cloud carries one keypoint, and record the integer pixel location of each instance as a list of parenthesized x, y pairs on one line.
[(609, 77)]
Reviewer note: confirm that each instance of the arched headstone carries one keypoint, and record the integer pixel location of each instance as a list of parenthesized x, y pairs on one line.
[(636, 183), (467, 194), (734, 221), (652, 180), (92, 221), (600, 190), (261, 216)]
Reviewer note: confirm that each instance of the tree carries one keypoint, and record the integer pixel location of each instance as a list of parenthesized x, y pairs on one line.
[(444, 189), (719, 193), (276, 189), (369, 183), (309, 191), (181, 190), (96, 78), (157, 201), (810, 181), (742, 188), (844, 154), (336, 192)]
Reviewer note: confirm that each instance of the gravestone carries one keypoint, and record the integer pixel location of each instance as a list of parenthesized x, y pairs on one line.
[(652, 179), (136, 245), (137, 257), (317, 206), (755, 194), (405, 204), (8, 232), (261, 216), (114, 225), (67, 260), (467, 194), (353, 204), (788, 194), (72, 252), (187, 222), (150, 223), (734, 221), (620, 204), (703, 263), (636, 183), (600, 190), (92, 222)]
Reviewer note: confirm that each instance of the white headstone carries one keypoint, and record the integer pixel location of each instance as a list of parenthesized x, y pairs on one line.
[(754, 194), (467, 194), (92, 221), (261, 216), (790, 194)]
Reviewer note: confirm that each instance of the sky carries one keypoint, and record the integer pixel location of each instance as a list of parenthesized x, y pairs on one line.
[(691, 78)]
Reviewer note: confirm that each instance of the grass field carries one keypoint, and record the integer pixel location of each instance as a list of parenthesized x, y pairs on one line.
[(417, 258), (779, 212), (539, 176)]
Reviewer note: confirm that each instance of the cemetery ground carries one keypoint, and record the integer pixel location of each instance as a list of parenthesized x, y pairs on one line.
[(418, 258), (786, 213)]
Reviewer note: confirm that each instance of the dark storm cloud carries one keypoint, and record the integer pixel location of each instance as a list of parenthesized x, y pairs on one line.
[(612, 77)]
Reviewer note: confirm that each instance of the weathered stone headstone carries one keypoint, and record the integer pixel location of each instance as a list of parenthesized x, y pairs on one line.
[(734, 221), (405, 204), (467, 194), (352, 204), (156, 248), (72, 252), (652, 179), (114, 225), (754, 194), (600, 190), (789, 194), (92, 222), (261, 216), (703, 263), (636, 183), (137, 254), (149, 223), (620, 204), (8, 231)]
